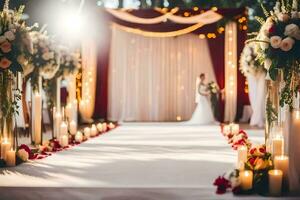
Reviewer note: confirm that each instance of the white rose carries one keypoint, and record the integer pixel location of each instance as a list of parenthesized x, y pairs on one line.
[(283, 17), (292, 30), (46, 56), (275, 41), (287, 44), (248, 58), (267, 64), (9, 35), (294, 14), (23, 155), (51, 55), (2, 39)]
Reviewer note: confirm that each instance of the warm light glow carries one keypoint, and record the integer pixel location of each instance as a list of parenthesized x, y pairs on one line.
[(195, 8), (214, 8), (297, 114), (276, 172), (202, 36), (186, 14), (178, 118)]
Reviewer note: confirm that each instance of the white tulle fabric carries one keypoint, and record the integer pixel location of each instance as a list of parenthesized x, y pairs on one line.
[(207, 17), (257, 94), (153, 79)]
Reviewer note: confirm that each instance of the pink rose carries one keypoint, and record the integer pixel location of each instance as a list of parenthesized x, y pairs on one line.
[(9, 35), (275, 41), (287, 44), (5, 63), (5, 47), (283, 17)]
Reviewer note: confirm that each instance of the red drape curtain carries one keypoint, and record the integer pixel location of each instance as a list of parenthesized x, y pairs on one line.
[(216, 49)]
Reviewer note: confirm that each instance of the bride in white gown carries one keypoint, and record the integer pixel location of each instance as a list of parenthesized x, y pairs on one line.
[(203, 113)]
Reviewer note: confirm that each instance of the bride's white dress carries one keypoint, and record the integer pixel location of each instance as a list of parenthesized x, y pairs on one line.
[(203, 113)]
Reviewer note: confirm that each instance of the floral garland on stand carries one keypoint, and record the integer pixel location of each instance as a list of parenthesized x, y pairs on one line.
[(249, 65), (15, 51)]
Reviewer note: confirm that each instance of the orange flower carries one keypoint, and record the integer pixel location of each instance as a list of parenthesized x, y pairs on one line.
[(5, 47), (4, 63)]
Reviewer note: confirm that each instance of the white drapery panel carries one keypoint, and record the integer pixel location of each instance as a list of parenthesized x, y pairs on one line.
[(257, 95), (153, 79), (207, 17), (89, 71), (230, 71)]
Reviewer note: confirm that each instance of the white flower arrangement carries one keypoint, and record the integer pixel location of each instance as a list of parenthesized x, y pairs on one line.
[(249, 65), (278, 47), (46, 60)]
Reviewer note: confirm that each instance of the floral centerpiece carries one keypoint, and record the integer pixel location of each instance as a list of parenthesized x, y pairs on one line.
[(214, 91), (279, 46), (69, 63), (15, 51), (45, 61), (249, 65)]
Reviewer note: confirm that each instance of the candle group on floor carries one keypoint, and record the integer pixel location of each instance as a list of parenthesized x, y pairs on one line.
[(278, 176)]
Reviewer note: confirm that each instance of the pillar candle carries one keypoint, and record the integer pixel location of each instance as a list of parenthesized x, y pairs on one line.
[(226, 129), (73, 127), (10, 158), (246, 178), (99, 127), (64, 140), (277, 144), (68, 111), (94, 130), (37, 117), (63, 129), (87, 132), (235, 128), (57, 121), (104, 127), (275, 182), (78, 137), (242, 155), (282, 163), (111, 126), (75, 111), (5, 146)]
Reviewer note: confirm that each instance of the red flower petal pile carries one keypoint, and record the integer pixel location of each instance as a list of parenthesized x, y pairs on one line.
[(222, 185)]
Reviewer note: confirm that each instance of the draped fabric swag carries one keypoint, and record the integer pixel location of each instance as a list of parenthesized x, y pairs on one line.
[(152, 30)]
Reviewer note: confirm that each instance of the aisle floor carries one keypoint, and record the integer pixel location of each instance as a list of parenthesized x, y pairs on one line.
[(134, 159)]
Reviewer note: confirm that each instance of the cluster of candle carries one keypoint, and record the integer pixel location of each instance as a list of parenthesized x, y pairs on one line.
[(231, 128), (278, 176), (8, 154)]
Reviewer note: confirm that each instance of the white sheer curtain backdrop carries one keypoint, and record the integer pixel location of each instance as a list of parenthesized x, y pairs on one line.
[(257, 94), (89, 78), (153, 79), (230, 71)]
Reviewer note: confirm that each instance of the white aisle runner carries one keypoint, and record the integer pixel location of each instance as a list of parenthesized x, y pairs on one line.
[(160, 155)]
